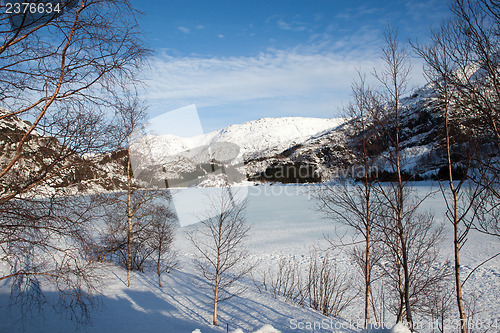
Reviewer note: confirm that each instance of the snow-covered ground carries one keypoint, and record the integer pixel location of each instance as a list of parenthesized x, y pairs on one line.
[(284, 224)]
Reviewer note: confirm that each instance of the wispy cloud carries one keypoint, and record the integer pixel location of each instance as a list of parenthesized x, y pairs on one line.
[(294, 26), (287, 24), (303, 81), (184, 29), (277, 75)]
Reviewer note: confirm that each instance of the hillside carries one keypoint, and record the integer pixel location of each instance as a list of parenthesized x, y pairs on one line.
[(47, 166)]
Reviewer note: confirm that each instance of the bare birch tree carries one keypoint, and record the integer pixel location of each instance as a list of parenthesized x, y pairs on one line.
[(130, 114), (56, 71), (351, 201), (439, 71), (394, 79), (219, 241), (145, 228), (62, 82), (462, 64), (160, 238)]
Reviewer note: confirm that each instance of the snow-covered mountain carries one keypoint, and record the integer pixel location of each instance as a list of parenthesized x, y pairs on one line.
[(278, 148), (262, 137), (190, 161)]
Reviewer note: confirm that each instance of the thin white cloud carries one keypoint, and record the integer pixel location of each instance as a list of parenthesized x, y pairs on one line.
[(298, 82), (293, 26), (283, 25), (277, 74), (184, 29)]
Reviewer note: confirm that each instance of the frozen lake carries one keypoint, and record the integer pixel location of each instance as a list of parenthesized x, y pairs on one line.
[(284, 219)]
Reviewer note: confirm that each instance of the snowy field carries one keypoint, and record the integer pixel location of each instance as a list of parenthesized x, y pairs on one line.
[(284, 223)]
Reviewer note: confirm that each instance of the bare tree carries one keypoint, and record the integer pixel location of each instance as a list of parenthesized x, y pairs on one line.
[(159, 239), (426, 270), (439, 304), (394, 79), (327, 290), (145, 228), (44, 240), (350, 201), (389, 211), (56, 71), (439, 71), (130, 115), (59, 83), (219, 242), (462, 65)]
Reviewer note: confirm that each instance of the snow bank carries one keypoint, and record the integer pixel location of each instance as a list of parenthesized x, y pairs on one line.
[(263, 329), (267, 329), (398, 328)]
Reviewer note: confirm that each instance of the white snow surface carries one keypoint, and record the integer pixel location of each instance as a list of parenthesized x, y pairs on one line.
[(264, 329), (284, 224)]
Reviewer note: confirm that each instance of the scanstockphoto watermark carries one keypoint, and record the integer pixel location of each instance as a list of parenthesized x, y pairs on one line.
[(327, 324), (300, 173), (336, 325), (357, 173), (289, 190), (332, 177)]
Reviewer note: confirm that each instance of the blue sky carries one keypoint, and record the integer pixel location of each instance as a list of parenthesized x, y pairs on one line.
[(242, 60)]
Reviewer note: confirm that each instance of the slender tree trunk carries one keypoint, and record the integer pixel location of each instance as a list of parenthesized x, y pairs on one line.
[(400, 208), (158, 271), (367, 225), (367, 249), (407, 281), (456, 232), (463, 323), (399, 317), (217, 277), (216, 298), (129, 221), (377, 321), (367, 278)]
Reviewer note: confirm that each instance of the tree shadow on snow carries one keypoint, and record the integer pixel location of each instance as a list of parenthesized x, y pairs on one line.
[(134, 311)]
